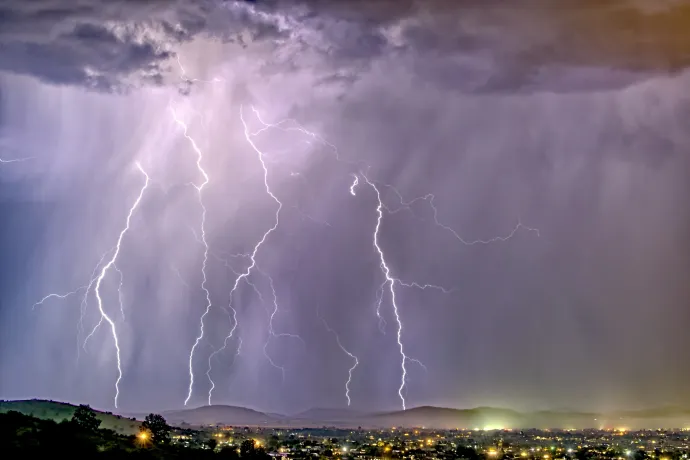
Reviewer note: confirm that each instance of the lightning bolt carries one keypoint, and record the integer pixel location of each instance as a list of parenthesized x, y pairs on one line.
[(272, 332), (233, 318), (84, 301), (15, 160), (354, 185), (119, 292), (252, 256), (185, 78), (104, 272), (379, 300), (424, 287), (390, 282), (235, 323), (58, 296), (84, 304), (348, 353), (199, 188), (430, 197), (388, 286)]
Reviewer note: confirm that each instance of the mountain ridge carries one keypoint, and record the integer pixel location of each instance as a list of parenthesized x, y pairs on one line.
[(483, 417)]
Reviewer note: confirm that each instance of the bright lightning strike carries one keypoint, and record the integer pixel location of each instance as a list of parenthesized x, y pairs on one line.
[(354, 185), (104, 272), (390, 281), (220, 350), (351, 369), (235, 323), (84, 304), (252, 256), (199, 188), (242, 276)]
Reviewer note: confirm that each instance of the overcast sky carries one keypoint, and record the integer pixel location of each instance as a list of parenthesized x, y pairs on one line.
[(531, 160)]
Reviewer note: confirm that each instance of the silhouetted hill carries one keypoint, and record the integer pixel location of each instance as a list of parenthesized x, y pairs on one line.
[(24, 436), (216, 414), (425, 416), (325, 414), (59, 411), (496, 418)]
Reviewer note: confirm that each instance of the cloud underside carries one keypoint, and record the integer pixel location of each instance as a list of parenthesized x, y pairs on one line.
[(464, 45)]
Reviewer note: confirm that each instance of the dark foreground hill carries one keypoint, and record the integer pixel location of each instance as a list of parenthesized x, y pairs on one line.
[(24, 436), (59, 411)]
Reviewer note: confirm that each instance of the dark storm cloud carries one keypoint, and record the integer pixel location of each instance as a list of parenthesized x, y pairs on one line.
[(109, 44), (462, 45)]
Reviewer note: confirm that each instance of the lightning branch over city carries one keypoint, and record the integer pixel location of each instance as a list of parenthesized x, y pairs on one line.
[(355, 360), (245, 275), (390, 282), (390, 285), (204, 278), (104, 272), (96, 281)]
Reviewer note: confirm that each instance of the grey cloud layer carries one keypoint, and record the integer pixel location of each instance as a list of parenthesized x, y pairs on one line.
[(104, 44), (464, 45)]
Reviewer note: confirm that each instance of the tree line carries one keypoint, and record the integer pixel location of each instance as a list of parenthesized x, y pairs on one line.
[(83, 437)]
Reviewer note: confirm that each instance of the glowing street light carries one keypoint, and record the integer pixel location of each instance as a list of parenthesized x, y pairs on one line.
[(143, 437)]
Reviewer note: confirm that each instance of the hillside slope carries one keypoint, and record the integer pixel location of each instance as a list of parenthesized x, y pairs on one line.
[(217, 414), (59, 411)]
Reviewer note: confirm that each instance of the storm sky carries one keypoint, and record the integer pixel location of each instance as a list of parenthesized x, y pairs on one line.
[(568, 117)]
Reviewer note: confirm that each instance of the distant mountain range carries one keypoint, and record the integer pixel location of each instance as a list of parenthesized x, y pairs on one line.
[(211, 415), (488, 418)]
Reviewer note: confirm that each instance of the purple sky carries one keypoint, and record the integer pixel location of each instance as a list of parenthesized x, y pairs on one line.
[(466, 128)]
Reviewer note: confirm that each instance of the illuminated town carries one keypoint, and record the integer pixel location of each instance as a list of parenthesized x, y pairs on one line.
[(430, 444)]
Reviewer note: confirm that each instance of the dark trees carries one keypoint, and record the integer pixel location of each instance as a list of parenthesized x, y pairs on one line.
[(211, 444), (467, 453), (85, 418), (247, 448), (229, 453), (158, 427), (250, 451)]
